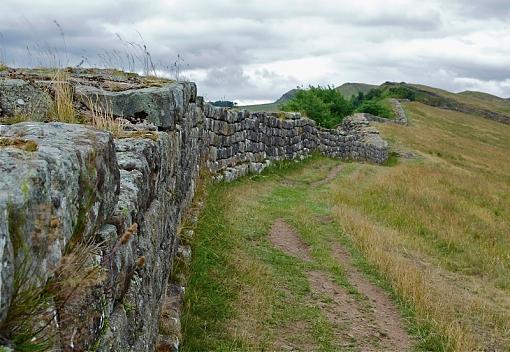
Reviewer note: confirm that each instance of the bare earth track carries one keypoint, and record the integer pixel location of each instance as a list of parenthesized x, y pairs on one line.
[(330, 177), (371, 323), (285, 238)]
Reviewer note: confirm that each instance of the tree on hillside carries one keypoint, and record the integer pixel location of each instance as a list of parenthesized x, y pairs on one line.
[(357, 100), (324, 105), (402, 92)]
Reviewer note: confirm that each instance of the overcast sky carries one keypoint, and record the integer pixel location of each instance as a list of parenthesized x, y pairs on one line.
[(254, 51)]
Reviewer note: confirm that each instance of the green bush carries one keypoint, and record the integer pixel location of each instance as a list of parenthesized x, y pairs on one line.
[(324, 105), (357, 100), (375, 93), (402, 92), (375, 107)]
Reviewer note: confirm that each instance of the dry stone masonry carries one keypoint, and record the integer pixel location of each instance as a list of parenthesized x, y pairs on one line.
[(77, 184), (400, 114), (398, 110)]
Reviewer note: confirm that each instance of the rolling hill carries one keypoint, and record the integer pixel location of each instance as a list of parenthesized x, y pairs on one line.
[(474, 103), (350, 89), (470, 102)]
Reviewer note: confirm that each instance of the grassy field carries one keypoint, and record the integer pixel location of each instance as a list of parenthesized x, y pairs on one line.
[(271, 107), (432, 231)]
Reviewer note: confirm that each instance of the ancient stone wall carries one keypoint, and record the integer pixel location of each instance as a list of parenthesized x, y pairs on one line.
[(64, 184), (241, 142)]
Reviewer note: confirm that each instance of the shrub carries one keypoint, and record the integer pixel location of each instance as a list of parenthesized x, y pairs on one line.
[(224, 103), (375, 107), (324, 105), (375, 93), (357, 100), (402, 92)]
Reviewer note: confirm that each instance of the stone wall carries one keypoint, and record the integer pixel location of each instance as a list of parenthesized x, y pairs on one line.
[(398, 110), (64, 184), (400, 114), (240, 142)]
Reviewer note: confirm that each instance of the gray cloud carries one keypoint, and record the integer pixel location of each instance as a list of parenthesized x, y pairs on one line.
[(484, 9), (256, 50)]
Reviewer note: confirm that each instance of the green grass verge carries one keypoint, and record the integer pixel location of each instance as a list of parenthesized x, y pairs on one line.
[(243, 293)]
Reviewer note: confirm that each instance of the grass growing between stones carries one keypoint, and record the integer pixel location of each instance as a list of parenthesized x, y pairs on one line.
[(62, 109), (433, 231)]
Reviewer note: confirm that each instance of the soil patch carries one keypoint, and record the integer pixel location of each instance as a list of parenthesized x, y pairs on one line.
[(385, 314), (285, 238)]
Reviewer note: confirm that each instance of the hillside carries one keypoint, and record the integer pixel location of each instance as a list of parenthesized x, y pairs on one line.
[(471, 102), (270, 107), (350, 89), (476, 103), (287, 96)]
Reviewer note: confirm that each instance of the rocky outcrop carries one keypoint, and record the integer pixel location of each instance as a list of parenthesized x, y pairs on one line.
[(65, 184), (19, 97), (161, 106)]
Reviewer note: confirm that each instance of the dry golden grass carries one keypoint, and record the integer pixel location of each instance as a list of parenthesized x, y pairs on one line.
[(437, 228), (102, 117), (62, 109)]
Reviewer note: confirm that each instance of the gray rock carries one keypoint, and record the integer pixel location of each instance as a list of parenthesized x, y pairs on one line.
[(19, 97), (53, 196), (400, 114), (161, 106), (6, 262)]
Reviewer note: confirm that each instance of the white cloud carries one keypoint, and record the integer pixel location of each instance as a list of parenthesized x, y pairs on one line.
[(256, 50)]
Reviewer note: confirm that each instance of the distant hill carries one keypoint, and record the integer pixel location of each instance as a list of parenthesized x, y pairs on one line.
[(272, 107), (470, 102), (287, 96), (350, 89), (346, 89), (474, 103)]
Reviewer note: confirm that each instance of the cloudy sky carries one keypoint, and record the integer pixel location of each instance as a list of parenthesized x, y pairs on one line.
[(255, 50)]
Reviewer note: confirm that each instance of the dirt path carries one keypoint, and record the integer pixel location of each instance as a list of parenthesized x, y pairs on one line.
[(285, 238), (330, 177), (374, 325), (386, 315)]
